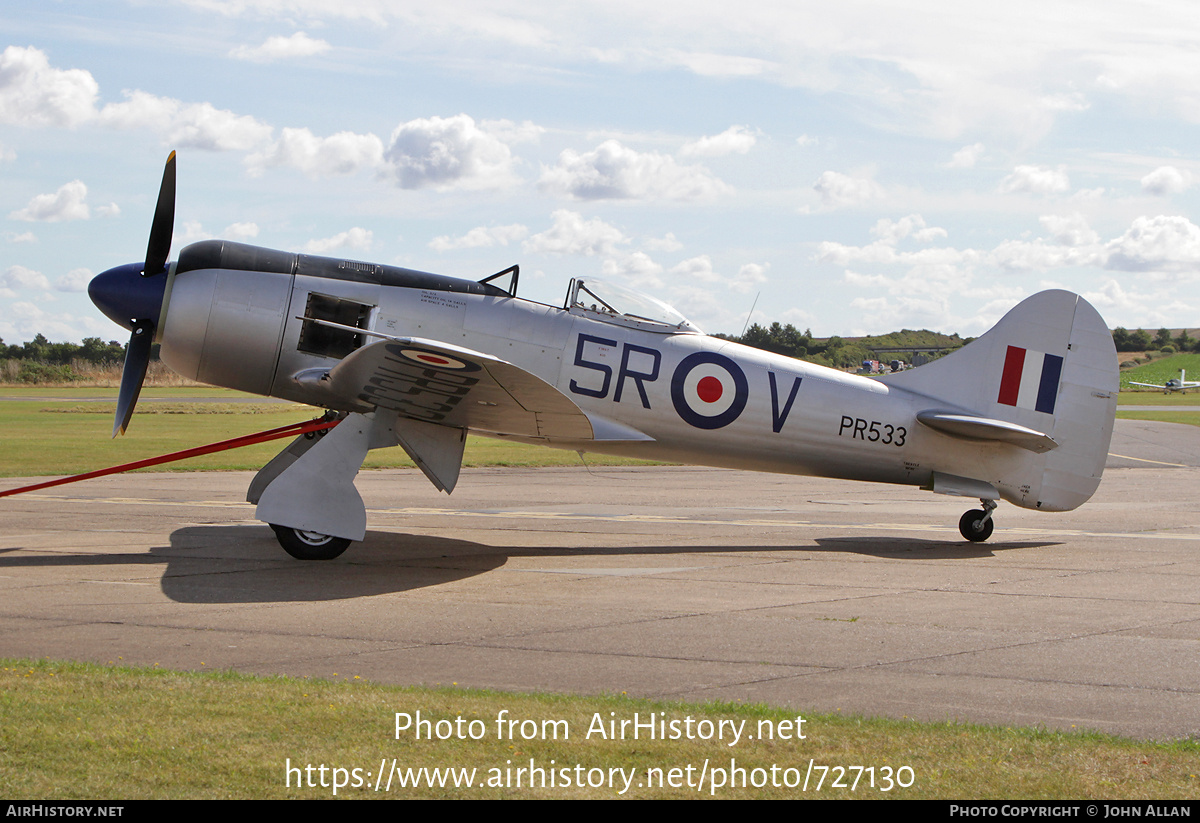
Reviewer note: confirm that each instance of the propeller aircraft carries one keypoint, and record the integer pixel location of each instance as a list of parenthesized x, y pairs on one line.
[(417, 360), (1180, 385)]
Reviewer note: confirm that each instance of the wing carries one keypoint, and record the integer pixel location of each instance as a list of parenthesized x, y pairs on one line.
[(448, 385), (1151, 385)]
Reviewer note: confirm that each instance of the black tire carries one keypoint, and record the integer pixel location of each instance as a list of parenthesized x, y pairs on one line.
[(304, 545), (973, 527)]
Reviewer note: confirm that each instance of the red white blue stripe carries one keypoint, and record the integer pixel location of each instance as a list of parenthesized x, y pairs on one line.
[(1030, 379)]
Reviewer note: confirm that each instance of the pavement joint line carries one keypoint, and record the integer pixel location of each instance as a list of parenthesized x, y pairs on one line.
[(1147, 460), (1007, 531)]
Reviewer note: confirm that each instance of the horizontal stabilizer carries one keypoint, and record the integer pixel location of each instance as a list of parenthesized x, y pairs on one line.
[(985, 428)]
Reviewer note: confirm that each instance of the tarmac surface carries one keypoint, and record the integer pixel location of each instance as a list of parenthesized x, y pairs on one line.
[(676, 583)]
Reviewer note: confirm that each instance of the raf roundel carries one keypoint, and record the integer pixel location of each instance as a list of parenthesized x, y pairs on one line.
[(436, 360), (709, 390)]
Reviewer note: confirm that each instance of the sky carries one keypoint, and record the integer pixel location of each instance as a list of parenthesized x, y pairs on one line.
[(851, 168)]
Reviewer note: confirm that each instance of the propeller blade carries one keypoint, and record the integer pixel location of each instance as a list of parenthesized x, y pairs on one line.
[(164, 223), (137, 359)]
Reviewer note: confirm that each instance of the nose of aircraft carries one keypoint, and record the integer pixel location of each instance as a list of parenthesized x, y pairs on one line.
[(124, 296)]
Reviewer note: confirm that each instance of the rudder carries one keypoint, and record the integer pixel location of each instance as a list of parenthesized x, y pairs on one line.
[(1049, 365)]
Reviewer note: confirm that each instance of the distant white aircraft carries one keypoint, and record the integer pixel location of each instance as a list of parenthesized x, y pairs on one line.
[(1180, 385), (1024, 413)]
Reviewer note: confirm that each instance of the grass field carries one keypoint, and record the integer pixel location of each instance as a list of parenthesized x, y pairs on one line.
[(61, 431), (1157, 398), (1160, 371), (52, 433), (1190, 418), (79, 731)]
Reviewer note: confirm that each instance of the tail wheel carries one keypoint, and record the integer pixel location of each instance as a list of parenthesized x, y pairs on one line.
[(304, 545), (976, 525)]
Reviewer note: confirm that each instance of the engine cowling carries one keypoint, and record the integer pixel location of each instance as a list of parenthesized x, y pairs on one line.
[(225, 326)]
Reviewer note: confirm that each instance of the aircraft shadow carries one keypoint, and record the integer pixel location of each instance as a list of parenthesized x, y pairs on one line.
[(244, 564)]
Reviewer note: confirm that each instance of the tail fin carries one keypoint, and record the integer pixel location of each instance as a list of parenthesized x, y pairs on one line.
[(1049, 367)]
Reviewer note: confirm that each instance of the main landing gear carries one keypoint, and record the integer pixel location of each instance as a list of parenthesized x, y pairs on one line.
[(304, 545), (976, 525)]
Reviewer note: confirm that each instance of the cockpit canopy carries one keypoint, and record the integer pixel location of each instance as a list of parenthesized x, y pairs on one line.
[(610, 303)]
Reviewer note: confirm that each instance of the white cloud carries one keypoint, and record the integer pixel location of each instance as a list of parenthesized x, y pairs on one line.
[(636, 268), (697, 268), (34, 94), (281, 48), (193, 231), (446, 153), (839, 190), (1070, 229), (571, 234), (1038, 255), (893, 231), (194, 125), (1166, 180), (355, 239), (1036, 180), (19, 277), (68, 203), (966, 157), (734, 140), (612, 171), (240, 231), (341, 153), (509, 132), (1167, 244), (76, 280), (749, 277), (664, 243), (481, 237), (23, 237), (933, 68), (1149, 309), (710, 64), (23, 320)]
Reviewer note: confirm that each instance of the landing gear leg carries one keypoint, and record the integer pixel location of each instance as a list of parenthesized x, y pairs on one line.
[(977, 526)]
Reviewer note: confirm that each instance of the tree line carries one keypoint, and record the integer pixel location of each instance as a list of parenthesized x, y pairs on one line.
[(840, 353), (837, 352), (39, 359), (1141, 340)]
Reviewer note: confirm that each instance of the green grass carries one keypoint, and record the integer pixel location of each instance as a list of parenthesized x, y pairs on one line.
[(97, 391), (82, 731), (1190, 418), (1160, 371), (54, 437), (1157, 398), (44, 437)]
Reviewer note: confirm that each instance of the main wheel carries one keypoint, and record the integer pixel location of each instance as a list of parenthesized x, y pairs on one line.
[(973, 527), (304, 545)]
